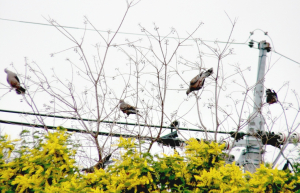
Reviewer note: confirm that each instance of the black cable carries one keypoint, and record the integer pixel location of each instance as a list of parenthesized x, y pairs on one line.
[(76, 130), (113, 122)]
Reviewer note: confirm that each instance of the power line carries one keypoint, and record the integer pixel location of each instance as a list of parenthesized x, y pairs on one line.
[(79, 28), (286, 57), (75, 130), (127, 33), (112, 122)]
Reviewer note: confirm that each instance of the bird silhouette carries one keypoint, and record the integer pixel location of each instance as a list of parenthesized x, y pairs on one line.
[(271, 96), (128, 109), (14, 82), (198, 81)]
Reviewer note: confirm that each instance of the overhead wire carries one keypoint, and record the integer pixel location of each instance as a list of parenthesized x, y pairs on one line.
[(90, 29), (73, 130), (111, 122), (138, 34)]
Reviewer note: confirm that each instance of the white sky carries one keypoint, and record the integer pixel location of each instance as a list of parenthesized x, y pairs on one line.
[(36, 42)]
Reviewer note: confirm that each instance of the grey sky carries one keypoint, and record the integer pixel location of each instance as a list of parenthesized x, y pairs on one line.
[(280, 19)]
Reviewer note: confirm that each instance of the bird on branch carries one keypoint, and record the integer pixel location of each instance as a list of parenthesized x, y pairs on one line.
[(198, 81), (128, 109), (271, 96), (14, 82)]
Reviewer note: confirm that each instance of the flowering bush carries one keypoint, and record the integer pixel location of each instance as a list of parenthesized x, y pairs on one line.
[(49, 167), (43, 167)]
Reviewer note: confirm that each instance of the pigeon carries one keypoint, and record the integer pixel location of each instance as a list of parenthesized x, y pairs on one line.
[(271, 96), (175, 124), (198, 81), (128, 109), (14, 82)]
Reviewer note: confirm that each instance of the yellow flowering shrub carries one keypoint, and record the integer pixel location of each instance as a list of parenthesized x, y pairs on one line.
[(266, 179), (45, 166), (6, 148), (49, 167)]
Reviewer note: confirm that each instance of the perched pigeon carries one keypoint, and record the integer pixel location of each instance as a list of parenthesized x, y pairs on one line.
[(14, 82), (175, 124), (198, 81), (271, 96), (128, 109)]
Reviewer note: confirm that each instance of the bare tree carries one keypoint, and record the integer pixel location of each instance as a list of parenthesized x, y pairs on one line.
[(152, 74)]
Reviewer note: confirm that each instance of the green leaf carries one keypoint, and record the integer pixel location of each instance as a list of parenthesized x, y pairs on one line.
[(172, 177), (24, 132)]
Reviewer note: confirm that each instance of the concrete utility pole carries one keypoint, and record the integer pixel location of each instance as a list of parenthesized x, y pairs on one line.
[(251, 157), (253, 153)]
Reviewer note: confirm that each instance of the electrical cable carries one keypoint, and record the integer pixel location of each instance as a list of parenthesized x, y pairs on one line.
[(128, 33), (70, 27), (75, 130), (112, 122)]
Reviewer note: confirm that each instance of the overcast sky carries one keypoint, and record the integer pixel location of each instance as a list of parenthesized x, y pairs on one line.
[(280, 19)]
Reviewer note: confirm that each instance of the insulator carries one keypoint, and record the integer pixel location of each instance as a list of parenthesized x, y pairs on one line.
[(228, 144), (231, 158), (295, 137), (251, 44), (282, 138)]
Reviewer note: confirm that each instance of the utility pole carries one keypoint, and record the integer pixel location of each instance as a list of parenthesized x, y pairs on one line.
[(256, 137), (251, 157), (253, 152)]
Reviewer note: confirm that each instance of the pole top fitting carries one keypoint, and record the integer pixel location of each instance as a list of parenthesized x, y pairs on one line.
[(264, 45)]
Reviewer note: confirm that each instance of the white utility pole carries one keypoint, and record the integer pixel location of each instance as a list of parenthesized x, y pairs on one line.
[(253, 152), (251, 157)]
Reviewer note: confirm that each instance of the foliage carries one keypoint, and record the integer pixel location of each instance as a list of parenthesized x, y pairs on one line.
[(36, 169), (49, 167)]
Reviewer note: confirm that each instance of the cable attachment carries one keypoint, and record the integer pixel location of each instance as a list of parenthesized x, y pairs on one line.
[(282, 138), (264, 46), (237, 135), (295, 138), (251, 43)]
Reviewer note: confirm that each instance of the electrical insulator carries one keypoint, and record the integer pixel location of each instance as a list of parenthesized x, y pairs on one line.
[(295, 137), (268, 47), (282, 138), (228, 144), (231, 158), (251, 43)]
